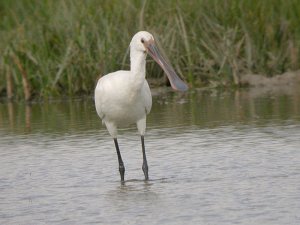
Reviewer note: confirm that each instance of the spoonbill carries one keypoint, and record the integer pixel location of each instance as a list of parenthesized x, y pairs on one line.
[(123, 97)]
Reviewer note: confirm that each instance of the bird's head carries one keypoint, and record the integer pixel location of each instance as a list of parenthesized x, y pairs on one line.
[(141, 41), (144, 42)]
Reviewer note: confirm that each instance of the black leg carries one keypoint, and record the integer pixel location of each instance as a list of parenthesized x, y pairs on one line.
[(145, 164), (121, 164)]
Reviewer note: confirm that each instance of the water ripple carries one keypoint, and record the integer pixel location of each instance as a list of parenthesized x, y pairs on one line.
[(221, 171)]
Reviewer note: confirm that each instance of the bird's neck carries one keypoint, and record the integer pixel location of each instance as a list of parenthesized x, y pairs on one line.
[(138, 68)]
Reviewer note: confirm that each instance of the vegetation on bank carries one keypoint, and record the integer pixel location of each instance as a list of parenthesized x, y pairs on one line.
[(55, 48)]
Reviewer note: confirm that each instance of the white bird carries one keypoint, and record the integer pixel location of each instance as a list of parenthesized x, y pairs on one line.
[(124, 97)]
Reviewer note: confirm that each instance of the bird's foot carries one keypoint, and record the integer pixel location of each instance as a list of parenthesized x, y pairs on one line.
[(145, 170), (122, 172)]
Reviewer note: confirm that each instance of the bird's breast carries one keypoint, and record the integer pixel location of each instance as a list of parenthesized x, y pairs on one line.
[(119, 101), (124, 109)]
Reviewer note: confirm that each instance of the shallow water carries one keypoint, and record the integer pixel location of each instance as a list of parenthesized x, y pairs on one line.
[(214, 158)]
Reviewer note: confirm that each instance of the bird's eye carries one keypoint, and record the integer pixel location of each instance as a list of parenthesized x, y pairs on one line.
[(142, 40)]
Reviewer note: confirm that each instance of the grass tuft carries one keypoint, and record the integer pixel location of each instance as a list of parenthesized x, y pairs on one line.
[(63, 46)]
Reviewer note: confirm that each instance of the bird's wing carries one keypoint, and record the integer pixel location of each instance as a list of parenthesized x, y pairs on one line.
[(147, 97), (99, 91)]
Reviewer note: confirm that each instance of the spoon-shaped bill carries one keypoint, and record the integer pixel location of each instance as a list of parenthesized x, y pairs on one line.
[(175, 81)]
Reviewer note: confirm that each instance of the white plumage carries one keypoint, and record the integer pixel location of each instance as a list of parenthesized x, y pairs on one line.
[(124, 97), (120, 102)]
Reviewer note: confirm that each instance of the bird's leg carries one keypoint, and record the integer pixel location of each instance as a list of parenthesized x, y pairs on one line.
[(145, 164), (121, 164)]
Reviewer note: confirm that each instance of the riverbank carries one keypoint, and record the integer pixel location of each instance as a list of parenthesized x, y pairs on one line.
[(54, 49)]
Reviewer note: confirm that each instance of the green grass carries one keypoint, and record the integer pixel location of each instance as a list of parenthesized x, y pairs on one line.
[(63, 46)]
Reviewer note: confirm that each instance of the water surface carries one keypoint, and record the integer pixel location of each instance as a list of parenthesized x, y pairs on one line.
[(214, 158)]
